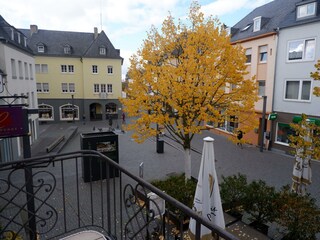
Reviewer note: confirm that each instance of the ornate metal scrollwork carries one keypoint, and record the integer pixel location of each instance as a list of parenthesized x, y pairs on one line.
[(144, 214), (14, 214)]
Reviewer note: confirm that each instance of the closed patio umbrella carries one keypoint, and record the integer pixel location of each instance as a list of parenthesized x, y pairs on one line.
[(207, 201)]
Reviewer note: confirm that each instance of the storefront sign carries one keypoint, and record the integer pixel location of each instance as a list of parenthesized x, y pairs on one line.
[(12, 122), (272, 116)]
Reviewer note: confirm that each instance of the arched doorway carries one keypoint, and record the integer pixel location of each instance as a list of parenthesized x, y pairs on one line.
[(95, 111)]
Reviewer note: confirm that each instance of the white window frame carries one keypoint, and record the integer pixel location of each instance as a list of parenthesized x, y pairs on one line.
[(31, 71), (20, 69), (71, 68), (94, 69), (45, 87), (299, 90), (248, 52), (302, 15), (67, 50), (69, 117), (276, 135), (64, 88), (39, 87), (259, 88), (48, 107), (263, 51), (304, 49), (13, 68), (26, 71), (72, 87), (257, 24), (103, 88), (96, 88), (110, 70), (102, 50), (64, 68), (40, 48), (109, 88)]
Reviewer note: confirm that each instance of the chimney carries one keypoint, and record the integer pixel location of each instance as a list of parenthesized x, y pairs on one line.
[(95, 31), (33, 29)]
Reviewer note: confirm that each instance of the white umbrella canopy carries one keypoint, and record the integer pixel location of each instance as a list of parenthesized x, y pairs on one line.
[(207, 201), (301, 176)]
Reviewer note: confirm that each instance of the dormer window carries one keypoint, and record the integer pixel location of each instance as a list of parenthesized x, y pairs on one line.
[(67, 49), (257, 24), (102, 50), (25, 41), (19, 38), (40, 48), (246, 27), (306, 10), (12, 34)]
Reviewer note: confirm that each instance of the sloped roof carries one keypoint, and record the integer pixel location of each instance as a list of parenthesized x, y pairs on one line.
[(290, 19), (82, 44), (5, 36), (272, 14)]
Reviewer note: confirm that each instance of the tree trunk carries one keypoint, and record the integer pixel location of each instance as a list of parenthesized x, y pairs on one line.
[(187, 164)]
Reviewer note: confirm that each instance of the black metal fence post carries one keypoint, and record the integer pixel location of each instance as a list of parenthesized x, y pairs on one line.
[(29, 183)]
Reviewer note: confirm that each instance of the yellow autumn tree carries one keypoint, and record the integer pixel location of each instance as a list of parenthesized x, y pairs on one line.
[(316, 76), (185, 75)]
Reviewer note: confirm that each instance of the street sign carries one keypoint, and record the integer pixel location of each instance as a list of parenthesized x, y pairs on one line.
[(272, 116)]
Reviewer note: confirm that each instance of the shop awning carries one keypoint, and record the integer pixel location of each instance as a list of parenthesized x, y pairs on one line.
[(297, 119)]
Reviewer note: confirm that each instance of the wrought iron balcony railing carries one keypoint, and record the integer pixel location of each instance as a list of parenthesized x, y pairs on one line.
[(47, 198)]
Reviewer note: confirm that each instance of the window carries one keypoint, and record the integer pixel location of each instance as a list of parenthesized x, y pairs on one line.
[(39, 87), (68, 87), (64, 87), (40, 48), (19, 38), (26, 71), (12, 34), (69, 112), (283, 133), (257, 24), (20, 70), (63, 68), (102, 51), (67, 68), (94, 69), (248, 55), (13, 69), (263, 53), (306, 10), (70, 68), (246, 27), (41, 68), (96, 88), (67, 49), (31, 71), (103, 88), (301, 50), (110, 70), (72, 87), (43, 87), (45, 112), (298, 90), (111, 108), (109, 88), (25, 41), (261, 87)]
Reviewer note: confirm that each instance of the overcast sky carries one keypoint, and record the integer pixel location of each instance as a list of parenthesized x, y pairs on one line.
[(124, 21)]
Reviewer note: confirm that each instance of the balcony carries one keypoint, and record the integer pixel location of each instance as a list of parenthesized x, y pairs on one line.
[(46, 198)]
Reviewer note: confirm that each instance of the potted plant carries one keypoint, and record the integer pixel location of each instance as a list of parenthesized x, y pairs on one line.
[(300, 215), (232, 191), (177, 187), (261, 203)]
